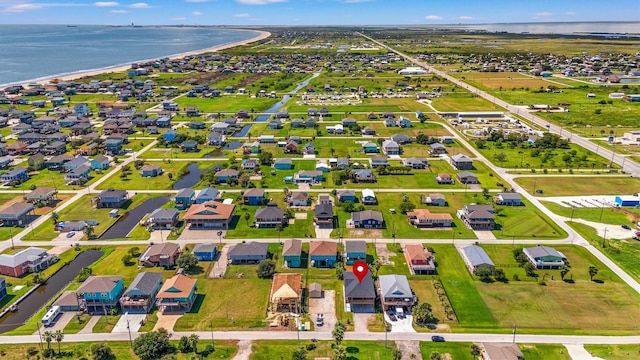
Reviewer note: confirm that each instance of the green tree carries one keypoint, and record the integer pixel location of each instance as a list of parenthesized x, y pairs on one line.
[(101, 351), (247, 216), (187, 261), (126, 260), (475, 351), (530, 269), (484, 274), (338, 332), (499, 275), (89, 231), (593, 271), (435, 356), (47, 336), (339, 272), (55, 217), (152, 345), (134, 251), (266, 269), (422, 313), (299, 354), (339, 353), (396, 354), (265, 158), (377, 265), (183, 345), (406, 206), (58, 336), (564, 270), (193, 340)]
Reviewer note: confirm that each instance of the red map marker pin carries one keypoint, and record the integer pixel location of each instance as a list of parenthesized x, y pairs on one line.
[(360, 269)]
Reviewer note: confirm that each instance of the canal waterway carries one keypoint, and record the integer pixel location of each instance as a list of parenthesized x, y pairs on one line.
[(130, 220), (190, 179), (37, 299), (274, 109)]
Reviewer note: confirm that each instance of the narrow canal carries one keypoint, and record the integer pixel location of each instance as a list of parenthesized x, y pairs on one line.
[(128, 221), (37, 299), (190, 179), (274, 109)]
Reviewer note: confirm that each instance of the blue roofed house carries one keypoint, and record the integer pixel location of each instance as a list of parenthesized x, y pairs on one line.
[(308, 177), (205, 252), (163, 122), (100, 163), (403, 122), (292, 253), (323, 253), (113, 145), (17, 175), (184, 198), (248, 253), (283, 164), (140, 296), (215, 139), (347, 195), (82, 110), (100, 293), (253, 196), (207, 194), (370, 148), (355, 250), (170, 135)]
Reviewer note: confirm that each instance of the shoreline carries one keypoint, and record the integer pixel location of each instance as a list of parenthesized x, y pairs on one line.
[(119, 68)]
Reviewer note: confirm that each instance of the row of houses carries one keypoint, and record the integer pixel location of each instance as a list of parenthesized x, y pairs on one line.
[(542, 257)]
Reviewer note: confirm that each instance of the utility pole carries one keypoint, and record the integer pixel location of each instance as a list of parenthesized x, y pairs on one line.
[(11, 235), (515, 328), (129, 330), (211, 327), (40, 336)]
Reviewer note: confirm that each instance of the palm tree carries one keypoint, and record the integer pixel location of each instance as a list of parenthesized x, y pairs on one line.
[(247, 216), (58, 336), (340, 353), (48, 338), (193, 340), (89, 230)]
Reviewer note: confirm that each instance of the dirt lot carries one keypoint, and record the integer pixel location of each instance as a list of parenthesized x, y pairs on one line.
[(326, 306)]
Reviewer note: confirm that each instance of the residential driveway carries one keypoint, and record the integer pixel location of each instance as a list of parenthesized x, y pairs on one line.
[(361, 322), (244, 350), (220, 268), (409, 348), (484, 235), (384, 254), (188, 234), (134, 323), (63, 320), (72, 240), (401, 325), (326, 306), (58, 250), (88, 329), (322, 233), (166, 322), (578, 352)]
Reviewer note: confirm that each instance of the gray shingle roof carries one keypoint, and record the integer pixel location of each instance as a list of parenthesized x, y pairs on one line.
[(204, 248), (359, 246), (251, 248), (394, 286), (356, 289), (477, 256), (144, 283)]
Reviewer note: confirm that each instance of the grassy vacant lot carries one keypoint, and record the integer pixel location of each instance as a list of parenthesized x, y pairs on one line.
[(175, 153), (525, 222), (121, 350), (83, 209), (406, 104), (614, 352), (55, 179), (356, 350), (462, 101), (615, 216), (227, 103), (135, 181), (544, 352), (582, 185)]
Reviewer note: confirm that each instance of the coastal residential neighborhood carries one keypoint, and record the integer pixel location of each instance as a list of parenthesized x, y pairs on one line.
[(215, 205)]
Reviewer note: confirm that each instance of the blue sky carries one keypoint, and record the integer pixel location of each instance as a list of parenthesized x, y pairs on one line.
[(313, 12)]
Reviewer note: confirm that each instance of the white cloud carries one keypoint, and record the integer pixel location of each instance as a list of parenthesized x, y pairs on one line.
[(544, 14), (243, 15), (196, 13), (139, 6), (259, 2), (570, 13), (119, 11), (464, 17), (106, 3), (22, 8), (433, 17)]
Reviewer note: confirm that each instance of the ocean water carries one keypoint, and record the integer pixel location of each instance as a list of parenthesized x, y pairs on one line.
[(33, 52)]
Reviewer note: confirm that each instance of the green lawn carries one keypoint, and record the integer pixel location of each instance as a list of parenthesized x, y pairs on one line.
[(227, 103), (525, 221), (544, 352), (356, 350), (55, 179), (455, 350), (614, 352), (135, 181), (581, 185), (614, 216)]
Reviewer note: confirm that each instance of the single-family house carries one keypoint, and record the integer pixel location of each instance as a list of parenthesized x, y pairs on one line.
[(269, 217), (17, 214), (5, 162), (510, 199), (286, 293), (370, 148), (205, 252), (403, 122), (309, 148), (163, 218), (36, 161), (177, 295), (419, 260), (342, 163), (349, 121), (461, 162), (41, 195), (323, 253), (323, 215), (78, 174), (379, 161), (184, 198), (100, 163), (355, 250), (55, 148), (297, 198), (140, 296), (437, 149), (415, 163), (151, 170), (423, 218), (253, 196), (25, 261), (476, 258), (322, 165), (346, 195), (249, 164), (189, 146), (478, 217), (207, 194), (444, 178), (467, 177), (252, 147), (163, 254), (368, 131), (17, 175), (215, 139), (170, 135), (57, 162), (248, 253), (401, 139), (209, 215), (111, 198), (435, 200), (367, 219), (291, 147), (283, 164), (368, 197), (390, 147), (99, 294), (292, 253), (545, 257), (308, 177), (395, 292), (359, 295), (227, 175)]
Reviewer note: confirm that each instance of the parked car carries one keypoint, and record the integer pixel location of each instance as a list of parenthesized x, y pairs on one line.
[(437, 338), (71, 234), (626, 227), (319, 319)]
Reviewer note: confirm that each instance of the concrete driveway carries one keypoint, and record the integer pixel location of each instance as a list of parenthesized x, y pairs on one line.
[(401, 325), (361, 322), (188, 234), (166, 322), (220, 268), (134, 323), (326, 306)]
